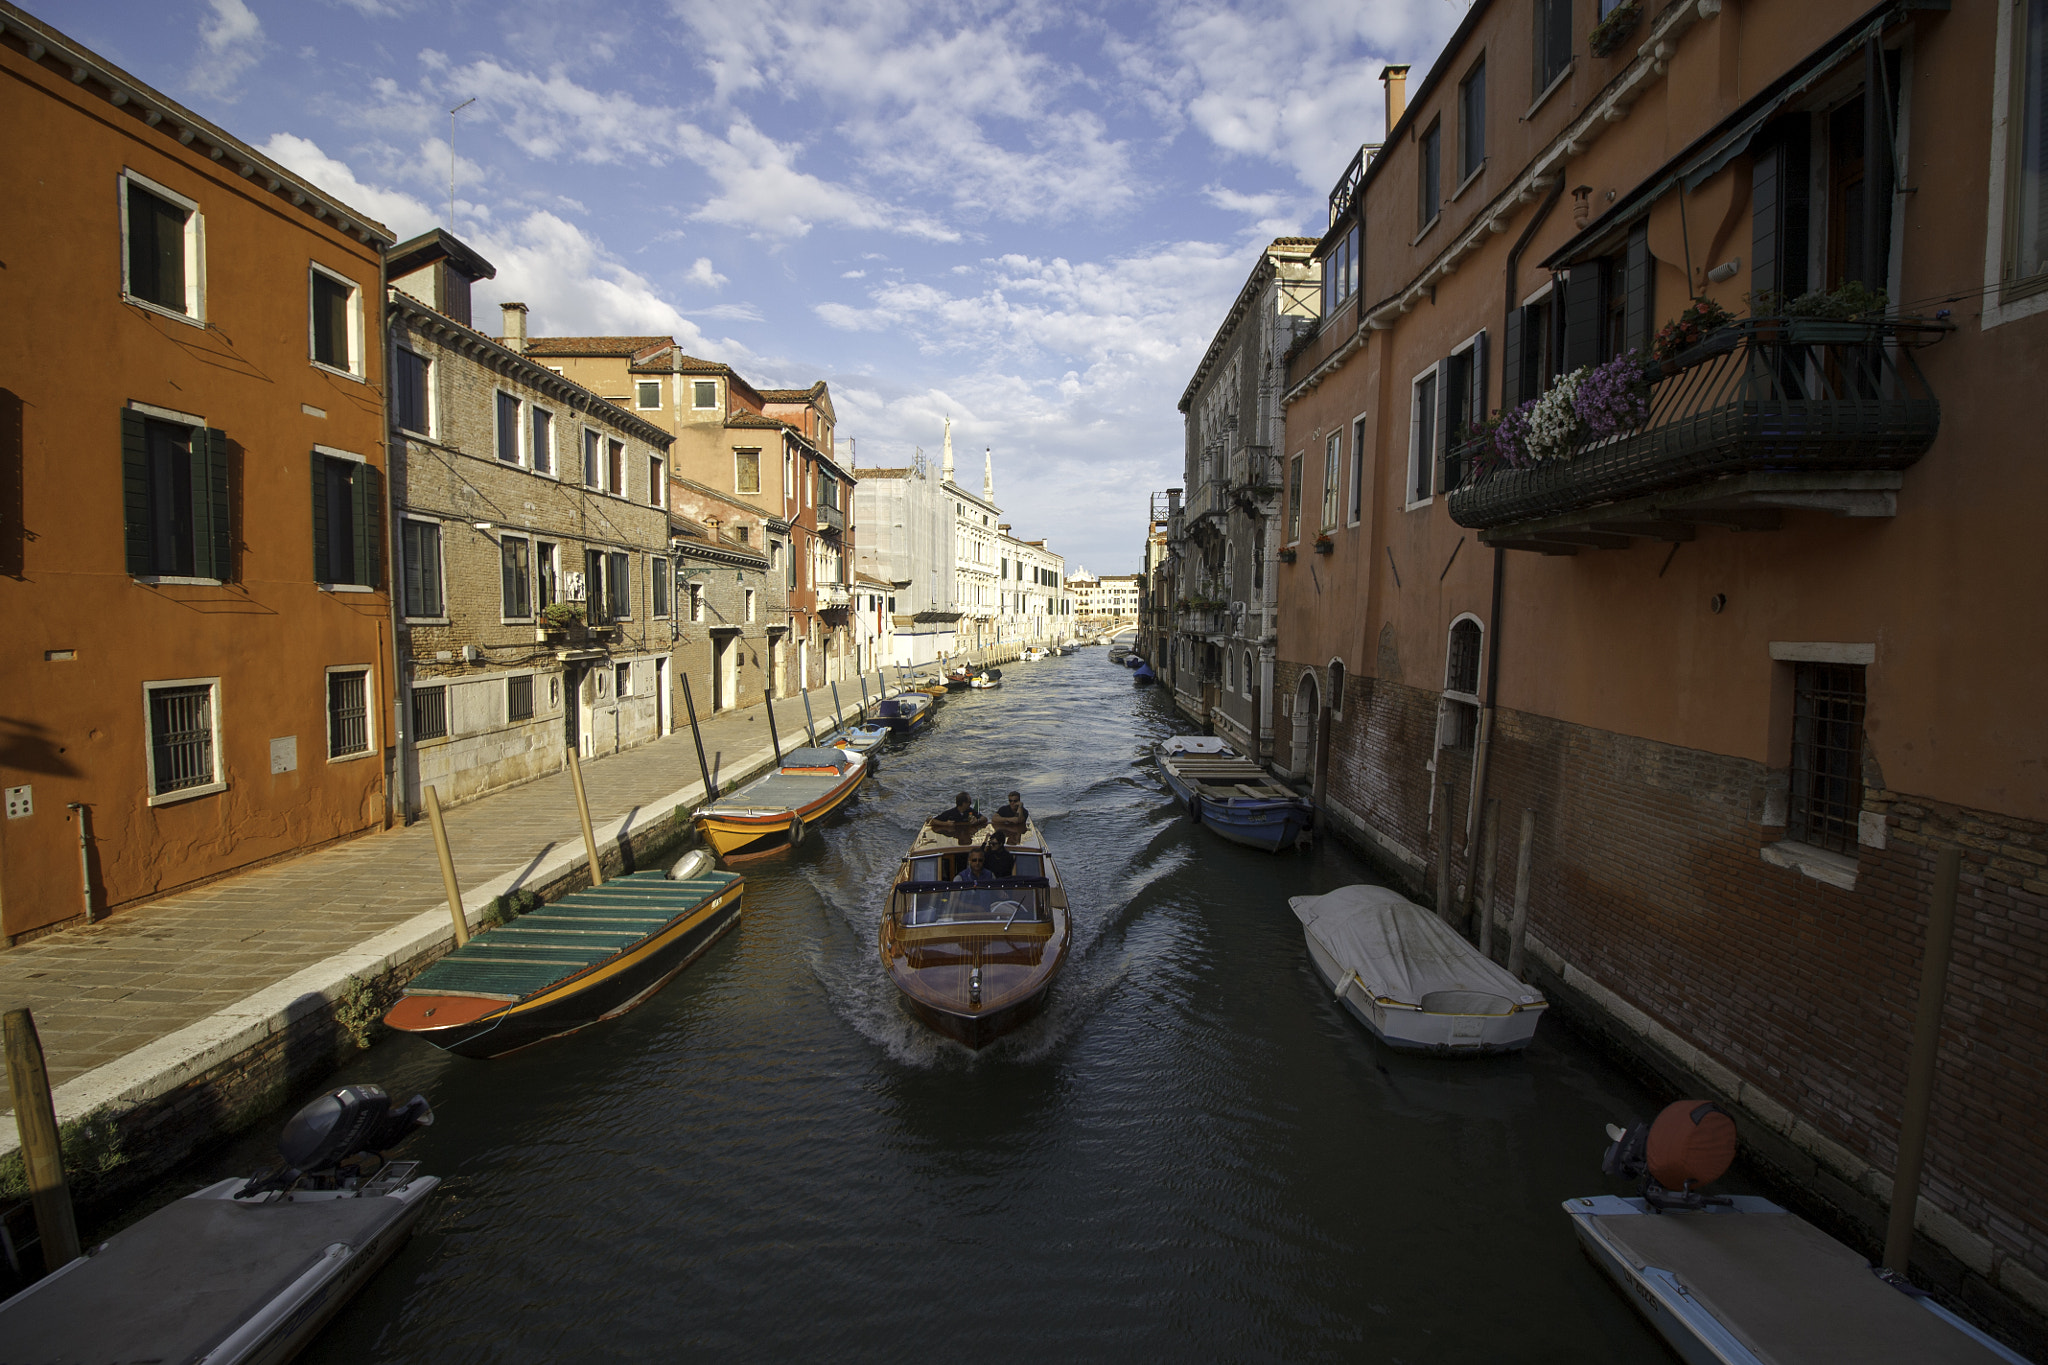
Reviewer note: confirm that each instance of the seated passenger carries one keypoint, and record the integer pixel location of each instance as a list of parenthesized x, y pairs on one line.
[(960, 820), (1011, 816), (976, 869), (997, 855)]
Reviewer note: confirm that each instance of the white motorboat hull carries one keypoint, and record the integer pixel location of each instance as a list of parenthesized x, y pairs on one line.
[(1415, 1030)]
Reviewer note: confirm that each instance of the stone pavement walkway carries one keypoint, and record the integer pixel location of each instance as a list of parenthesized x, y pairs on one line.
[(102, 992)]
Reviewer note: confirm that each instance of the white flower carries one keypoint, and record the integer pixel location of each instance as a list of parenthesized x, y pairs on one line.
[(1553, 422)]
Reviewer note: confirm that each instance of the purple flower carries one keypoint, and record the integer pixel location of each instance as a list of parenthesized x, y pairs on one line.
[(1612, 398)]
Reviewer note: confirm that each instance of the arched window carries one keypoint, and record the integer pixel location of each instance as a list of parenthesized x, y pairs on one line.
[(1460, 724), (1233, 672), (1337, 688), (1247, 673), (1307, 711)]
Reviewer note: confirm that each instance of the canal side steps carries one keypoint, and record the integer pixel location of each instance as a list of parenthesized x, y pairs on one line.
[(579, 931)]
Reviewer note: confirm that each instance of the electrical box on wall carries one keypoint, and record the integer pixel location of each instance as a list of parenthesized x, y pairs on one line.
[(21, 801), (471, 654)]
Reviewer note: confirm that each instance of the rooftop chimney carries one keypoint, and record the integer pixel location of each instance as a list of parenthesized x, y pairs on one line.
[(1396, 80), (515, 327)]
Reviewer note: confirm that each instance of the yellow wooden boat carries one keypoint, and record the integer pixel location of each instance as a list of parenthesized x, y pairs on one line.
[(773, 811), (975, 961)]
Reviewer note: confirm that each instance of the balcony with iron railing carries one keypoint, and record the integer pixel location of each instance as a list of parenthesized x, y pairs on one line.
[(834, 596), (831, 520), (1254, 473), (1763, 416)]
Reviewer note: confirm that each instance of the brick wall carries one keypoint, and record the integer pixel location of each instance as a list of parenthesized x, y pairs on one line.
[(1649, 885)]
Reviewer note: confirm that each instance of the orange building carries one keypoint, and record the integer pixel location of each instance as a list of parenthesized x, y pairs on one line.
[(192, 536), (1745, 618)]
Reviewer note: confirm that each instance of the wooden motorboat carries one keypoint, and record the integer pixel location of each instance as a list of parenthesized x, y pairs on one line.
[(931, 684), (592, 955), (1232, 795), (1143, 676), (975, 961), (1033, 654), (1412, 979), (772, 811), (959, 679), (243, 1271), (986, 679), (904, 712)]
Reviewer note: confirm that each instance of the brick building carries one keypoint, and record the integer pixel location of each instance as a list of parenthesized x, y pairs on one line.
[(536, 595), (192, 510), (1731, 621), (1221, 589), (729, 600)]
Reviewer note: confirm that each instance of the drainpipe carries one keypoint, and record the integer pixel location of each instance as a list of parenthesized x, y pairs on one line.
[(84, 859), (395, 807), (1500, 556)]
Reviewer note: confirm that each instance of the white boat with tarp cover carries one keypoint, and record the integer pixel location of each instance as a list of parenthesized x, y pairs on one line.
[(1411, 978)]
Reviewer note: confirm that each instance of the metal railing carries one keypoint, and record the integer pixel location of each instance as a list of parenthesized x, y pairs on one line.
[(1762, 395), (831, 519)]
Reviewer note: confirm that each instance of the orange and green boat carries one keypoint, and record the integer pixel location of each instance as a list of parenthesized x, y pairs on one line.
[(774, 810), (592, 955)]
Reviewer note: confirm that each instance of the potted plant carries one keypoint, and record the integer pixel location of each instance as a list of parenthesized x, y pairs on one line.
[(1324, 545), (1842, 314), (1608, 34), (1701, 318), (558, 618)]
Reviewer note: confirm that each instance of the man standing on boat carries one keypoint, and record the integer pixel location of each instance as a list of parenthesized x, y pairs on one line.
[(961, 820)]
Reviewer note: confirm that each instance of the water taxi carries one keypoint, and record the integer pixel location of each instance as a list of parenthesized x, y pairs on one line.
[(1232, 795), (975, 961), (773, 810), (592, 955)]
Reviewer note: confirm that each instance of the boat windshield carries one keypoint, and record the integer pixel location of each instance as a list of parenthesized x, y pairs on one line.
[(1002, 905)]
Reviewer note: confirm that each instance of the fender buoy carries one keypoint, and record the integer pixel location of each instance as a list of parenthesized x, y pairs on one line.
[(1195, 807), (796, 829), (1691, 1143)]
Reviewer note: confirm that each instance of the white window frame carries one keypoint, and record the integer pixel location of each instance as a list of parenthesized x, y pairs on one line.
[(694, 590), (369, 711), (532, 581), (658, 571), (590, 459), (441, 553), (1997, 244), (1248, 662), (657, 479), (219, 783), (554, 469), (1354, 509), (696, 406), (625, 481), (639, 392), (520, 458), (1448, 696), (195, 249), (356, 369), (749, 604), (1433, 374), (1337, 697), (737, 452), (1332, 509)]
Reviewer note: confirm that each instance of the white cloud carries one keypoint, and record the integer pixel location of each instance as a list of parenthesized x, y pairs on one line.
[(762, 192), (401, 212), (701, 273), (853, 274), (231, 41)]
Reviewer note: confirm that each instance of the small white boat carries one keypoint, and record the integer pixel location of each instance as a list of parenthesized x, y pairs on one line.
[(243, 1272), (1034, 654), (1411, 978)]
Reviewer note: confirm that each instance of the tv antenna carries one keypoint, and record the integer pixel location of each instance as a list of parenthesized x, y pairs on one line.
[(451, 160)]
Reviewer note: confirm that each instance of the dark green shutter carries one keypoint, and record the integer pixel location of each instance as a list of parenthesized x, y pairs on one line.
[(135, 489), (366, 490), (1638, 321), (1582, 317), (1778, 209), (321, 573), (211, 545), (1511, 361)]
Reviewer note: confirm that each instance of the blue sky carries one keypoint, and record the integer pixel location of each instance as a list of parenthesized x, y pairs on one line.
[(1028, 216)]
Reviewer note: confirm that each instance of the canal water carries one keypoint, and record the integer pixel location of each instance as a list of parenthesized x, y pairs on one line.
[(1194, 1154)]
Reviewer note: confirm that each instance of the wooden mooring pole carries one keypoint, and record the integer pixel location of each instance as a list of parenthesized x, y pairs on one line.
[(710, 787), (447, 856), (1934, 958), (1518, 928), (1489, 857), (864, 695), (583, 814), (774, 741), (42, 1151), (838, 710), (810, 721)]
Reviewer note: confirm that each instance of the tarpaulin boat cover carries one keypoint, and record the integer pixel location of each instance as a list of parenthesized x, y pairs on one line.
[(1400, 951), (818, 758)]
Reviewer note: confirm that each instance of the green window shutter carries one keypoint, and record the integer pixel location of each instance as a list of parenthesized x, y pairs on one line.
[(321, 573), (1511, 362), (366, 489), (1583, 313), (211, 547), (135, 490), (1638, 320)]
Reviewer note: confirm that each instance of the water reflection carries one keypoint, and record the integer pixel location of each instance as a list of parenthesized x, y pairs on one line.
[(1193, 1153)]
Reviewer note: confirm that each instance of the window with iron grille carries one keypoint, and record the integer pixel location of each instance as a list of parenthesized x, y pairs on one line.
[(1827, 755), (348, 713), (429, 713), (181, 738), (519, 697)]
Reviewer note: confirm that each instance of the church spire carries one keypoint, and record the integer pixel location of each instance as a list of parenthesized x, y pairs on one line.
[(946, 460)]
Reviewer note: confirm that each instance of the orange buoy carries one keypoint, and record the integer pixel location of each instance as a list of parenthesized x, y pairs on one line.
[(1691, 1143)]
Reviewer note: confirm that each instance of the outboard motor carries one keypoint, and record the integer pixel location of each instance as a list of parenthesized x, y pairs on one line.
[(341, 1126), (1690, 1144)]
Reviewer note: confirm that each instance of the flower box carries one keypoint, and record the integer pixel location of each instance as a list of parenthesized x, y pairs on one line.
[(1612, 31), (1287, 555), (1325, 545)]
